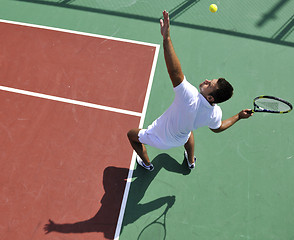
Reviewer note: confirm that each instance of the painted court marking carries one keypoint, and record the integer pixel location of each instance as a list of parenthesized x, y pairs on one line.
[(80, 33), (96, 106), (65, 100)]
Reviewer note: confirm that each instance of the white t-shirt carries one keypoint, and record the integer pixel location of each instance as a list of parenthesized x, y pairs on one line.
[(189, 111)]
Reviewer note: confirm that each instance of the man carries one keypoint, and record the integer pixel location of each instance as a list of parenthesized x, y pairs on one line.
[(189, 111)]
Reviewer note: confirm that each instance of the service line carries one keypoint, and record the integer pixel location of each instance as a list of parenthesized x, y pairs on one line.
[(70, 101)]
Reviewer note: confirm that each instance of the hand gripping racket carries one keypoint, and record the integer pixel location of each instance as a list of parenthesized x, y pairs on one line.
[(271, 104)]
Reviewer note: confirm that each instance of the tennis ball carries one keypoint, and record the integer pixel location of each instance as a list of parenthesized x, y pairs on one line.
[(213, 8)]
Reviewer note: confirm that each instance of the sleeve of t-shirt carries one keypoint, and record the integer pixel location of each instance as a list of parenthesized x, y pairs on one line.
[(185, 92), (216, 120)]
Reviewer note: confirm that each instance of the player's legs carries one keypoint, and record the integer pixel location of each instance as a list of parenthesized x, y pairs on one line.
[(138, 146), (189, 146)]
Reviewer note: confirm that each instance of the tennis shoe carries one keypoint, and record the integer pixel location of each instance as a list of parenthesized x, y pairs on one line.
[(142, 164), (190, 165)]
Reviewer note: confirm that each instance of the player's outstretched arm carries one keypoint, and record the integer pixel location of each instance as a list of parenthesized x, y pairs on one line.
[(172, 62), (232, 120)]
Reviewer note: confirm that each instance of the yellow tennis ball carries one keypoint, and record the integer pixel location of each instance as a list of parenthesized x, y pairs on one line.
[(213, 8)]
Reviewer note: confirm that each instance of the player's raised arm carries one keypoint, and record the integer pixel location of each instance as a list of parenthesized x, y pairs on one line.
[(172, 62)]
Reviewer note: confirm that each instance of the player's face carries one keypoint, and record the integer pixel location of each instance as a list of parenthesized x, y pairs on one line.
[(207, 87)]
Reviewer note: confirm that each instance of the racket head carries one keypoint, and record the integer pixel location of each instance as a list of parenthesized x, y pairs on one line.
[(271, 104)]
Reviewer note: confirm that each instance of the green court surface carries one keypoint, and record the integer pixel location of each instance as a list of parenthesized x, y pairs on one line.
[(242, 185)]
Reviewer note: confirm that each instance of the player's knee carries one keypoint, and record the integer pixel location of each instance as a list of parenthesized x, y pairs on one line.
[(130, 134)]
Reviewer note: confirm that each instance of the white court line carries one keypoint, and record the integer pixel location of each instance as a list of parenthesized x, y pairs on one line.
[(77, 32), (142, 115), (132, 165), (71, 101)]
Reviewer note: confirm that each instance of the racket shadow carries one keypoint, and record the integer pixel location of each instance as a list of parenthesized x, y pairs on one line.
[(143, 179), (156, 230)]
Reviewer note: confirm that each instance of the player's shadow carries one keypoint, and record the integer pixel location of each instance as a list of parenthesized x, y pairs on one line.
[(114, 180)]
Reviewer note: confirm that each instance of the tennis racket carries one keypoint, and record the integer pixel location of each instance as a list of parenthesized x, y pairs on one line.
[(271, 104), (156, 230)]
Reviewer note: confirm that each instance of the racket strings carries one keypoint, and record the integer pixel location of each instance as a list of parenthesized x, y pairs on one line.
[(272, 105)]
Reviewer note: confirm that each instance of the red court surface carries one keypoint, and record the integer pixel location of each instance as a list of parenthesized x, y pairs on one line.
[(61, 161), (91, 69)]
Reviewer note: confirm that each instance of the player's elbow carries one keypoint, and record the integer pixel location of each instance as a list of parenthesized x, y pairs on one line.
[(218, 130)]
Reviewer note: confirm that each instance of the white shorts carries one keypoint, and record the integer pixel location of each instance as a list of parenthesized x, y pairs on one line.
[(150, 139), (147, 137)]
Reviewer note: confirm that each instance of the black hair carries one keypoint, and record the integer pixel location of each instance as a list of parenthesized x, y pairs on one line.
[(223, 92)]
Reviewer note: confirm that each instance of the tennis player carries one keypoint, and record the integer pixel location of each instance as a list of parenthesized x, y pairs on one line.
[(191, 109)]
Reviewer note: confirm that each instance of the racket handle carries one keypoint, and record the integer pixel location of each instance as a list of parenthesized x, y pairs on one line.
[(251, 111)]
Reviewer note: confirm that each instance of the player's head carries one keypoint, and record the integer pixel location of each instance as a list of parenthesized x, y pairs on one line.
[(216, 90)]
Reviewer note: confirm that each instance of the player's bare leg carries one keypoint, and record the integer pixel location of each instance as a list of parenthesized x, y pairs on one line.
[(138, 146), (189, 146)]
